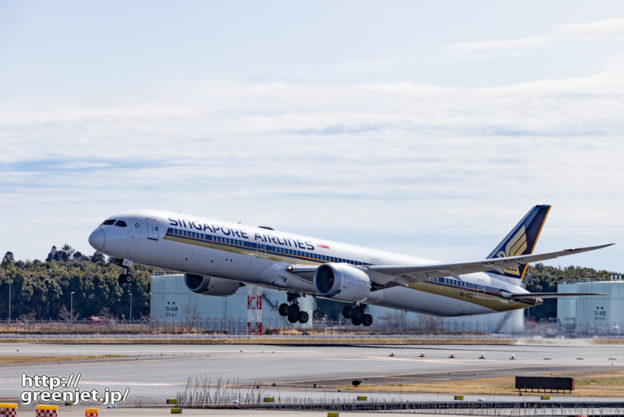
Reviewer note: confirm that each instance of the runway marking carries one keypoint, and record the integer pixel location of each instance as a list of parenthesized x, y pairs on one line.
[(111, 383), (434, 374), (394, 358)]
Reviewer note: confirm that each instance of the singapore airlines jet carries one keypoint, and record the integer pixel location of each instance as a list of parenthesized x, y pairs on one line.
[(218, 257)]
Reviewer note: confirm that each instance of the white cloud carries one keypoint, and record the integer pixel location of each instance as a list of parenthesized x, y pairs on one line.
[(528, 43), (419, 161), (608, 31), (600, 30)]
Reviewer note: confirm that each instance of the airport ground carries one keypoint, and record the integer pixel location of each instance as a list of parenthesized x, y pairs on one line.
[(154, 412), (155, 372)]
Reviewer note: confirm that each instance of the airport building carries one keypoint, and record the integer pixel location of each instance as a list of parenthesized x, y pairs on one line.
[(597, 315), (172, 302)]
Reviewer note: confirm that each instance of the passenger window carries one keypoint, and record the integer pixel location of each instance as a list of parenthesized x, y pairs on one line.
[(121, 223), (108, 222)]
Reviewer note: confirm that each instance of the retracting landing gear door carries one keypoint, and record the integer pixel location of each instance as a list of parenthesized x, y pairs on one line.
[(152, 229)]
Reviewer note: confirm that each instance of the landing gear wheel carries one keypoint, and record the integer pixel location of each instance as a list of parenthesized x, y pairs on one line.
[(293, 313), (303, 317), (292, 318), (124, 279), (293, 309), (367, 320), (347, 311), (357, 314), (283, 309)]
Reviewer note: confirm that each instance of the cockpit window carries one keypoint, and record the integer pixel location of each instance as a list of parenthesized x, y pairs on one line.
[(108, 222), (120, 223)]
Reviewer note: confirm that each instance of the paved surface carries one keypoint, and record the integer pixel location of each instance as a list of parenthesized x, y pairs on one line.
[(156, 372), (149, 412)]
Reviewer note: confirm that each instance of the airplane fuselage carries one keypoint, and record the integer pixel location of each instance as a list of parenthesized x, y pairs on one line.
[(262, 256)]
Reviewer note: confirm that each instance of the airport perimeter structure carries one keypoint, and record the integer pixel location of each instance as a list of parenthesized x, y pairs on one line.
[(172, 302)]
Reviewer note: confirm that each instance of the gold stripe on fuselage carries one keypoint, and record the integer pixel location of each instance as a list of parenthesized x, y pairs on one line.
[(488, 299)]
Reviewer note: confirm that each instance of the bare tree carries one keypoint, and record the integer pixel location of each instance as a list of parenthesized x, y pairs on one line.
[(66, 315)]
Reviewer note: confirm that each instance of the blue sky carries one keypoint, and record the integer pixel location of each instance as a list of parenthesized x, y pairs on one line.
[(427, 128)]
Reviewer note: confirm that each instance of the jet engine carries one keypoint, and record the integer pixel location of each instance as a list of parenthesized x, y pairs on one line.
[(207, 285), (341, 281)]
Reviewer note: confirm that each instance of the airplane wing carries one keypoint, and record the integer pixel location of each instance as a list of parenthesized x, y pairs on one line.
[(390, 275), (407, 274)]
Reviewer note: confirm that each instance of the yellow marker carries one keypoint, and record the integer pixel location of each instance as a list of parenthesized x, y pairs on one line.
[(172, 401), (176, 411), (333, 414), (545, 397), (459, 398), (8, 409), (362, 398), (91, 412), (269, 399), (48, 407), (46, 411)]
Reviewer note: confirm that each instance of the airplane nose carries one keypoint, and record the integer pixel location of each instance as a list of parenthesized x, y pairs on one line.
[(97, 239)]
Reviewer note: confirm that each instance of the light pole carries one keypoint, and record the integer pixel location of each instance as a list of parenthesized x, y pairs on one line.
[(130, 306), (10, 282), (71, 306)]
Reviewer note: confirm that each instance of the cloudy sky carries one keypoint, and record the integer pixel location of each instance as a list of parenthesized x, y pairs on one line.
[(427, 128)]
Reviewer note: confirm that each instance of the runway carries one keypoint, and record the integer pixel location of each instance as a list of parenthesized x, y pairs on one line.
[(153, 373)]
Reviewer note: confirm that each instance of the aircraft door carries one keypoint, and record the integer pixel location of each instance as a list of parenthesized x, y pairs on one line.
[(152, 229)]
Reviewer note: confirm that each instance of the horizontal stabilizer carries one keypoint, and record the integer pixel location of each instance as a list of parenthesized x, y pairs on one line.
[(554, 295)]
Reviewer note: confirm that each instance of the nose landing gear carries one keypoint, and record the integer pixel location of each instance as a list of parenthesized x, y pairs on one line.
[(125, 277), (292, 310), (357, 315)]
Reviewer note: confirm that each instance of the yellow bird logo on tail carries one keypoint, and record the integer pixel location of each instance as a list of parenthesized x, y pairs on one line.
[(515, 247)]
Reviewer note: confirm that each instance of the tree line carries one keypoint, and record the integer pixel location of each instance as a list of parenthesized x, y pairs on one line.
[(542, 278), (43, 289)]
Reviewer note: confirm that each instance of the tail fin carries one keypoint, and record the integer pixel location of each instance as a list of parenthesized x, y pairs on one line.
[(521, 240)]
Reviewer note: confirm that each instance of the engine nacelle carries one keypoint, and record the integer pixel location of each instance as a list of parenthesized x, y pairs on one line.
[(342, 281), (207, 285)]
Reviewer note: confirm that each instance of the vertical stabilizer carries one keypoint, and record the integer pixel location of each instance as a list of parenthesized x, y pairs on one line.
[(521, 240)]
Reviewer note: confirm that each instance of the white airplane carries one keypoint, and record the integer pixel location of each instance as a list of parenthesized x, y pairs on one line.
[(218, 257)]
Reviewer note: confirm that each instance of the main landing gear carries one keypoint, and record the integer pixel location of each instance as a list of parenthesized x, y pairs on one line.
[(292, 310), (125, 277), (357, 315)]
